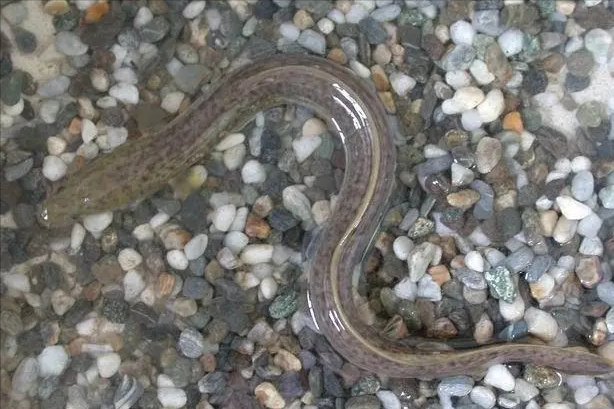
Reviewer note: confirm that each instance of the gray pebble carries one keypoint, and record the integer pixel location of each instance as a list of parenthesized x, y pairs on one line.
[(582, 185), (539, 265), (68, 43), (196, 288), (15, 13), (155, 30), (520, 259), (54, 87), (190, 76), (459, 58), (18, 170), (312, 41), (373, 30), (191, 343)]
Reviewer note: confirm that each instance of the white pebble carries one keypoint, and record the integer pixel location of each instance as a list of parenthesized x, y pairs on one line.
[(236, 241), (289, 31), (480, 72), (541, 324), (253, 172), (483, 396), (304, 146), (233, 157), (224, 216), (229, 141), (492, 106), (54, 168), (511, 42), (134, 284), (471, 120), (434, 151), (177, 260), (388, 399), (401, 246), (585, 394), (401, 83), (56, 145), (158, 220), (14, 110), (196, 247), (172, 101), (52, 361), (124, 92), (356, 13), (580, 163), (406, 289), (268, 288), (129, 259), (174, 398), (360, 69), (321, 211), (193, 9), (96, 223), (326, 26), (143, 16), (257, 253), (77, 235), (458, 79), (89, 131), (500, 377), (474, 261), (108, 364), (462, 32), (572, 209), (313, 127), (513, 311)]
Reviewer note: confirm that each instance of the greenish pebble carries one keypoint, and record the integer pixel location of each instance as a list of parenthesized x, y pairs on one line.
[(67, 21), (326, 148), (531, 118), (421, 228), (530, 46), (590, 114), (366, 386), (501, 283), (411, 17), (284, 305), (409, 156), (481, 43), (541, 377), (10, 88), (546, 7)]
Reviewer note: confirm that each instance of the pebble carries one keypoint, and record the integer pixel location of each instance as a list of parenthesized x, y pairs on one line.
[(124, 92), (54, 87), (598, 42), (459, 57), (172, 101), (305, 146), (606, 196), (70, 44), (108, 364), (312, 41), (54, 168), (483, 396), (541, 324), (572, 209), (52, 361), (224, 216), (582, 185), (488, 154), (589, 226), (177, 260), (267, 395), (511, 42), (401, 83), (193, 9), (492, 106), (172, 397), (462, 32), (499, 376)]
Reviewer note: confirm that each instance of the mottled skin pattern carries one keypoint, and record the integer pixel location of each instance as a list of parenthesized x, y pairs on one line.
[(142, 167)]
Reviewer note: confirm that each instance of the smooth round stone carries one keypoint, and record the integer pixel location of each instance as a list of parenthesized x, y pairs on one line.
[(52, 361), (312, 41), (580, 63), (172, 397), (455, 386), (492, 107), (54, 168), (541, 324), (177, 260), (474, 261), (483, 396), (459, 58), (500, 377), (108, 364), (193, 9), (129, 259), (598, 42), (471, 120), (289, 31), (488, 154), (253, 172), (401, 83), (511, 42), (68, 43), (606, 195), (580, 163), (583, 185), (172, 101), (572, 209), (196, 247), (462, 32), (591, 113), (481, 73), (124, 92), (224, 216), (401, 246)]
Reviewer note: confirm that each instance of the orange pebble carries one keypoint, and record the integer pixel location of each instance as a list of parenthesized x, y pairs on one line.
[(513, 122), (96, 11)]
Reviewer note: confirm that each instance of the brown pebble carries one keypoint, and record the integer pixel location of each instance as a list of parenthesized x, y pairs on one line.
[(395, 328), (380, 78), (166, 284), (75, 347), (552, 63), (388, 101), (440, 274), (442, 328), (96, 12), (337, 55), (463, 199), (257, 227)]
